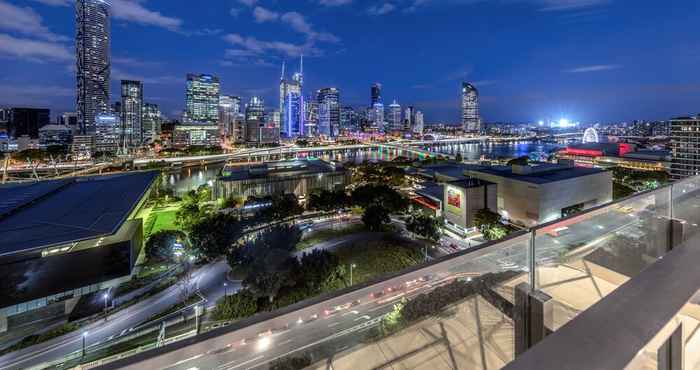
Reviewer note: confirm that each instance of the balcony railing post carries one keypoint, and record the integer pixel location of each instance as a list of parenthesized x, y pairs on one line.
[(531, 260), (533, 312), (670, 354)]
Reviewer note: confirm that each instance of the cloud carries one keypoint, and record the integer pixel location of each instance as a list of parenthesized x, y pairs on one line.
[(563, 5), (134, 11), (259, 47), (26, 21), (383, 9), (132, 62), (55, 2), (262, 15), (298, 23), (334, 2), (235, 12), (248, 3), (34, 50), (118, 74), (594, 68)]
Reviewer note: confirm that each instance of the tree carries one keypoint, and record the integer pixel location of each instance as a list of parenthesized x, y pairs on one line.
[(458, 157), (425, 226), (375, 217), (317, 269), (327, 200), (379, 194), (194, 207), (232, 202), (236, 306), (160, 245), (283, 206), (520, 161), (214, 235), (489, 223)]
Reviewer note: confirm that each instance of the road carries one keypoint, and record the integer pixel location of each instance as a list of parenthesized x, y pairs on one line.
[(296, 332), (208, 279)]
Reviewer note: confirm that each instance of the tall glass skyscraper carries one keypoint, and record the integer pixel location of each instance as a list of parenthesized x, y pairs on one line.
[(151, 122), (394, 117), (229, 108), (132, 112), (328, 111), (471, 121), (292, 103), (92, 44), (376, 94), (255, 109), (202, 98)]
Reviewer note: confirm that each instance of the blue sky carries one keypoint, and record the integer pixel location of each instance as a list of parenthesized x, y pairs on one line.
[(589, 60)]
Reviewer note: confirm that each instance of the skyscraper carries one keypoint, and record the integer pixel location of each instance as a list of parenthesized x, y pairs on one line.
[(418, 125), (328, 111), (151, 122), (202, 98), (229, 107), (349, 119), (132, 112), (92, 44), (291, 103), (685, 147), (409, 117), (255, 109), (471, 122), (310, 117), (394, 117), (377, 116), (376, 94)]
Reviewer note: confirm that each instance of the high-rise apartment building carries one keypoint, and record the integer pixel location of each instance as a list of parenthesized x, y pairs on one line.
[(377, 116), (393, 117), (409, 117), (151, 122), (349, 119), (26, 122), (685, 147), (471, 121), (310, 117), (92, 43), (132, 112), (418, 125), (328, 111), (202, 98), (376, 94)]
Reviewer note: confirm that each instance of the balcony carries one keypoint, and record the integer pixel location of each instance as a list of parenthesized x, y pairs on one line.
[(612, 288)]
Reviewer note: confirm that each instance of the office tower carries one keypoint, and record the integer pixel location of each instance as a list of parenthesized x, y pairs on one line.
[(238, 132), (376, 94), (25, 122), (310, 117), (685, 147), (92, 43), (202, 98), (376, 116), (328, 111), (409, 118), (132, 113), (394, 117), (471, 122), (69, 119), (418, 125), (349, 119), (109, 133), (275, 118), (255, 109), (291, 102), (229, 107), (151, 122)]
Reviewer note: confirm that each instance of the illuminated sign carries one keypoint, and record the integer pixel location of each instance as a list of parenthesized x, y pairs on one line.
[(455, 200)]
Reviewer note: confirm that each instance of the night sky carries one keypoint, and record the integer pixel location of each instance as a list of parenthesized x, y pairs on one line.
[(587, 60)]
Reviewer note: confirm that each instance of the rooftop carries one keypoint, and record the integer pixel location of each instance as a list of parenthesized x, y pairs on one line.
[(541, 173), (49, 213), (277, 169)]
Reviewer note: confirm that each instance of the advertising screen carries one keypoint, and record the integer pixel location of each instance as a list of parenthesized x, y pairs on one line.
[(455, 200)]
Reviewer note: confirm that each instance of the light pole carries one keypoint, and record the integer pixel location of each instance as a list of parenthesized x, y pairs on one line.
[(225, 289), (352, 266), (85, 334)]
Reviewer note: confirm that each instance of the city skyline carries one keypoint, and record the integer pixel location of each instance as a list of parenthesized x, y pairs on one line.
[(607, 81)]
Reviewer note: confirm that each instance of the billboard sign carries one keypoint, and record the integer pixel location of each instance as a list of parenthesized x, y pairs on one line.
[(455, 200)]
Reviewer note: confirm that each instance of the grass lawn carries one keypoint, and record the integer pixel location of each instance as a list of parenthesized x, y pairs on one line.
[(319, 236), (165, 220), (379, 257)]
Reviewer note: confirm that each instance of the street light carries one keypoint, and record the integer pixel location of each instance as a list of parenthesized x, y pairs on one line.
[(85, 334), (352, 266), (225, 289), (105, 296)]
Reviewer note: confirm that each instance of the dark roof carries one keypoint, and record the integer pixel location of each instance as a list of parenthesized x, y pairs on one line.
[(432, 191), (552, 173), (276, 169), (48, 213), (471, 182)]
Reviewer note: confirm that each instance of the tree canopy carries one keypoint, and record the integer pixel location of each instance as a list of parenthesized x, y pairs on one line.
[(426, 226), (489, 223), (213, 236)]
